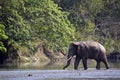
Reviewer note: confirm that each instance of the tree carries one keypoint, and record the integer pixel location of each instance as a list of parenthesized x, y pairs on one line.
[(3, 37), (30, 19), (82, 14), (49, 23), (16, 28), (107, 20)]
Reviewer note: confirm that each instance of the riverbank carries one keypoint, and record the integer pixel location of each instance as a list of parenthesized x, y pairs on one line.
[(91, 74)]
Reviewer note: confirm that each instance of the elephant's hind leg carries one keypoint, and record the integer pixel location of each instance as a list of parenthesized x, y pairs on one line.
[(98, 64), (106, 64)]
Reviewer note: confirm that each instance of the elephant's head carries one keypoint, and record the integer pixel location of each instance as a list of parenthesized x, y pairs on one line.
[(73, 50)]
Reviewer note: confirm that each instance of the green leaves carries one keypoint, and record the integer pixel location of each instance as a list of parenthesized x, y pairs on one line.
[(22, 21), (3, 37), (82, 14), (29, 19), (49, 23)]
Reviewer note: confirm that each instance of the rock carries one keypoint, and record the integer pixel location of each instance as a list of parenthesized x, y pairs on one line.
[(114, 55)]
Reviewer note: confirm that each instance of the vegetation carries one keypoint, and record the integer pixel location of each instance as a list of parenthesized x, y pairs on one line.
[(95, 20), (27, 24), (3, 37)]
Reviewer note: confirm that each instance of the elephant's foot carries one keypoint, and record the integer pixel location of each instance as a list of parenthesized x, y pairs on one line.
[(64, 68), (85, 68), (75, 68), (107, 67), (98, 67)]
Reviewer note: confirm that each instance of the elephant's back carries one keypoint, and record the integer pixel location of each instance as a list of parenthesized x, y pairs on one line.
[(96, 45), (102, 48)]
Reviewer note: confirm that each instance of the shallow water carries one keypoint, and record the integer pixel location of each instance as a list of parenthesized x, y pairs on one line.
[(90, 74), (82, 79), (40, 71), (54, 65)]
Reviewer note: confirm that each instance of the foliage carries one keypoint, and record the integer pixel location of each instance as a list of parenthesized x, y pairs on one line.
[(3, 37), (82, 14), (85, 13), (49, 23), (29, 23), (107, 20), (27, 20), (81, 11)]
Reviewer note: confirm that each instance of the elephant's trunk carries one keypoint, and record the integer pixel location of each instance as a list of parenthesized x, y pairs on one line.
[(68, 62)]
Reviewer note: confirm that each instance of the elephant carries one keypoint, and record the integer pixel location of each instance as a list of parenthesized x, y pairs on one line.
[(84, 50)]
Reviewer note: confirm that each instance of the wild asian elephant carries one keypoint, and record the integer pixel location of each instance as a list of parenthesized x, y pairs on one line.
[(86, 50)]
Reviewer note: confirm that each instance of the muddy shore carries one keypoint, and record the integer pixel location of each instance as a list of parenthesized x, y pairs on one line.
[(91, 74)]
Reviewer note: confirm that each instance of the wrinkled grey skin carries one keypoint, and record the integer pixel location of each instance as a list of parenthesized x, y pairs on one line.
[(86, 50)]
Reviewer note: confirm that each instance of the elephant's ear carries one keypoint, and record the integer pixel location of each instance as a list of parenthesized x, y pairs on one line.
[(77, 45)]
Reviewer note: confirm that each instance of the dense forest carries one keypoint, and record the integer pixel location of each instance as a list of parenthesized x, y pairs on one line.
[(26, 24)]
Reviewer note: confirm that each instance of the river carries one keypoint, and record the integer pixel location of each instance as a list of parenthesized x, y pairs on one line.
[(53, 65), (53, 71)]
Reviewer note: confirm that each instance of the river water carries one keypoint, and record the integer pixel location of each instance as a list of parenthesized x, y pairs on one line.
[(53, 71), (54, 65)]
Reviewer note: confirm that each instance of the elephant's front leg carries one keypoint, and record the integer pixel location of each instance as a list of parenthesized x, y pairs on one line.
[(76, 63), (68, 63), (84, 60)]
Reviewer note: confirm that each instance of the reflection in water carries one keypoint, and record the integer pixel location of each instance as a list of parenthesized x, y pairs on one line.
[(114, 64), (54, 66)]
